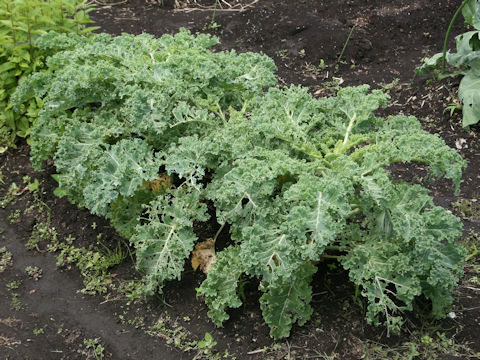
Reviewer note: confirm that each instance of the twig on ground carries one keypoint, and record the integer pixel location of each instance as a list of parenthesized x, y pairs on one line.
[(105, 4), (230, 8)]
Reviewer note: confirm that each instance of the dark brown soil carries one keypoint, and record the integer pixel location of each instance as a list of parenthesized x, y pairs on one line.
[(388, 41)]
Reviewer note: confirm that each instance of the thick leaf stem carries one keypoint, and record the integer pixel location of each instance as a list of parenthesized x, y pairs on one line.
[(29, 31), (449, 30), (350, 127), (10, 11), (218, 232)]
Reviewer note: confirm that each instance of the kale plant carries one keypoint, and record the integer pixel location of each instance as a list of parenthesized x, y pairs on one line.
[(152, 132)]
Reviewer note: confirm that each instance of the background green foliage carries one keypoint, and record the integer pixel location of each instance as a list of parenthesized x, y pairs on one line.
[(466, 61), (21, 22), (297, 178)]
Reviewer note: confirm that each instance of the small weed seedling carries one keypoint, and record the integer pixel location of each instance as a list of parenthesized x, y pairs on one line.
[(468, 209), (206, 345), (472, 244), (39, 331), (95, 348), (6, 259), (316, 69), (452, 107), (41, 232), (13, 285), (282, 53), (15, 304), (10, 197), (14, 216), (213, 25), (34, 272), (423, 345)]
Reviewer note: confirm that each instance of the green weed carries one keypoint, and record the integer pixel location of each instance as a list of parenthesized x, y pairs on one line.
[(282, 53), (39, 331), (10, 197), (6, 259), (422, 346), (34, 272), (95, 348), (41, 232), (13, 285), (14, 216), (206, 345), (16, 304), (472, 244), (468, 209), (345, 46)]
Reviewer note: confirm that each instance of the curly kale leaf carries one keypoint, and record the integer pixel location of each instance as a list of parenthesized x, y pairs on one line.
[(287, 300), (187, 160), (78, 150), (413, 253), (125, 212), (319, 207), (161, 89), (165, 237), (220, 288), (401, 139), (121, 170)]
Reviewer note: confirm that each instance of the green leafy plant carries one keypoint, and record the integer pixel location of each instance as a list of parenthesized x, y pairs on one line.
[(34, 272), (95, 348), (151, 132), (39, 331), (21, 22), (207, 344), (466, 62), (213, 25), (10, 197), (6, 259), (14, 217), (92, 264), (16, 303), (428, 344)]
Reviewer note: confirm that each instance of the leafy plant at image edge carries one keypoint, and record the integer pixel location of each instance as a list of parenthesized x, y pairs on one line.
[(21, 22), (297, 178), (466, 61)]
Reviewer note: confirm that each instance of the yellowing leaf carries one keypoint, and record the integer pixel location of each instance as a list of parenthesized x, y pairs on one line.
[(204, 255), (161, 184)]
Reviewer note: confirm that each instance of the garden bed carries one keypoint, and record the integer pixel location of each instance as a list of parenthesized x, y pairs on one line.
[(48, 318)]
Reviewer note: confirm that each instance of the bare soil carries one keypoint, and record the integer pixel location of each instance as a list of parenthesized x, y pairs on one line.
[(389, 39)]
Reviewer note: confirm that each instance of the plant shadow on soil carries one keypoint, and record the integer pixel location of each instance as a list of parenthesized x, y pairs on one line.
[(305, 38)]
